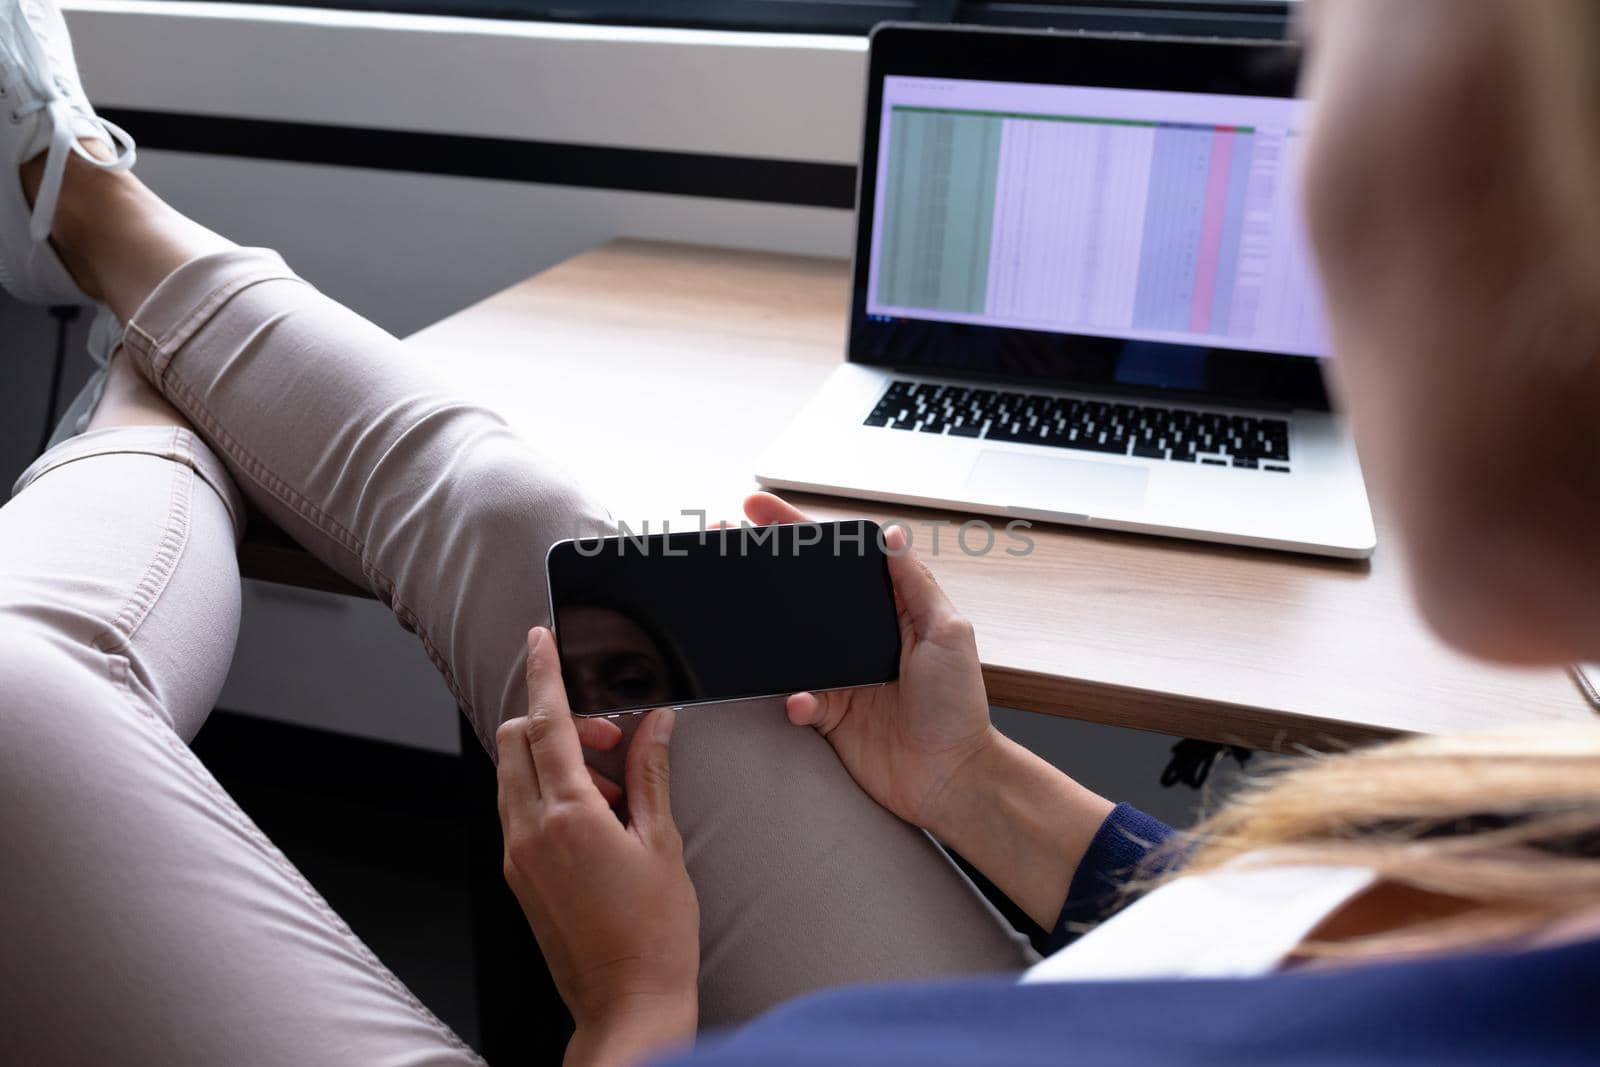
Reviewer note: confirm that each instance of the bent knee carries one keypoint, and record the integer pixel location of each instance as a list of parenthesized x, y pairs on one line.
[(508, 493)]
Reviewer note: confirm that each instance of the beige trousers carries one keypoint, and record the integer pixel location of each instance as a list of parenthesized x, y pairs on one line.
[(143, 917)]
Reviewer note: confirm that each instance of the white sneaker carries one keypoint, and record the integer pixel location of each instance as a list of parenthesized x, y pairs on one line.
[(42, 110)]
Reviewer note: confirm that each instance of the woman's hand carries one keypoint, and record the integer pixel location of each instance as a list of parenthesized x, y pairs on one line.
[(908, 744), (611, 905), (924, 746)]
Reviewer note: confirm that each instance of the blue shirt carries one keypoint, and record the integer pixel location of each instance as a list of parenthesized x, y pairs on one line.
[(1537, 1007)]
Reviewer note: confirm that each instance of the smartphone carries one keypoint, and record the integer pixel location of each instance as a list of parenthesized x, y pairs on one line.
[(700, 617)]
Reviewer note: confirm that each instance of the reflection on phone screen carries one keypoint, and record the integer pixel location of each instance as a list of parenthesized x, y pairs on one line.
[(643, 622)]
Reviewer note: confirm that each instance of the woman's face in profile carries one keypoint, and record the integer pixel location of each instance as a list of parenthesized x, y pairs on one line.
[(1466, 343), (610, 661)]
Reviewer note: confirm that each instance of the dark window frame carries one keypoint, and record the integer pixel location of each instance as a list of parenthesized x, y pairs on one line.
[(1195, 18)]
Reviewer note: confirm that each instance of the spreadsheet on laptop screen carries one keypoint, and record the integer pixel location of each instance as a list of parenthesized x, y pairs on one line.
[(1124, 213)]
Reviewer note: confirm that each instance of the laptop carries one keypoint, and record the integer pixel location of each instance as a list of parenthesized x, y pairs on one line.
[(1083, 293)]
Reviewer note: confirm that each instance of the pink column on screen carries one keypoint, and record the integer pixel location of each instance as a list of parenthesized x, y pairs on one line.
[(1205, 278)]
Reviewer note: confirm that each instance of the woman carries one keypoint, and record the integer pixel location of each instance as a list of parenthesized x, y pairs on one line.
[(1454, 881)]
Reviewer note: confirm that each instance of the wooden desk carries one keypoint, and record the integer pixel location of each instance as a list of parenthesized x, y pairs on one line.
[(659, 372)]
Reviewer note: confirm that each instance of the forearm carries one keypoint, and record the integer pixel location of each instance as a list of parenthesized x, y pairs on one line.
[(1023, 823)]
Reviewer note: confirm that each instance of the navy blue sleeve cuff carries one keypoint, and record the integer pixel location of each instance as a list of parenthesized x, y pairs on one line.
[(1120, 845)]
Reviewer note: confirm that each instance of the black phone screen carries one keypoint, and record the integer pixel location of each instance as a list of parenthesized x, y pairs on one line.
[(682, 618)]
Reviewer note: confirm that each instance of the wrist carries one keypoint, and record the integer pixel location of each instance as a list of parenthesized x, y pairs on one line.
[(632, 1033), (1023, 823), (971, 784)]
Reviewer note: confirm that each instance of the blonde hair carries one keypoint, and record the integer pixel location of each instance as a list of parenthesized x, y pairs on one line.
[(1505, 823), (1504, 826)]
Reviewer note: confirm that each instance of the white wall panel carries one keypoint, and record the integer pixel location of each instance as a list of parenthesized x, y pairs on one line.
[(779, 96), (405, 249)]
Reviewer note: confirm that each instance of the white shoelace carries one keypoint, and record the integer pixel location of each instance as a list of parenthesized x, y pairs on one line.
[(66, 114)]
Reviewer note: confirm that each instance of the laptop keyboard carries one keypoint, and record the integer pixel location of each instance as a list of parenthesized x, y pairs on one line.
[(1122, 429)]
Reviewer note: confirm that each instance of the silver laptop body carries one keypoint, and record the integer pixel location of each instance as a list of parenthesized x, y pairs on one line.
[(1082, 294)]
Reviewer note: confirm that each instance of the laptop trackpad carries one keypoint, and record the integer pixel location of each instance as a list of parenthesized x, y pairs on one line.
[(1055, 483)]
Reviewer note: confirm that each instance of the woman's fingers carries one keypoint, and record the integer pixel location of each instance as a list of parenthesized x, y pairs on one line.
[(519, 786), (596, 733), (915, 587), (804, 709), (649, 777), (916, 591), (552, 738), (821, 713), (610, 791), (764, 509)]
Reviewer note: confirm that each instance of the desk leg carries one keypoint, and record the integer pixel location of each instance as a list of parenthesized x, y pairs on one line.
[(521, 1019)]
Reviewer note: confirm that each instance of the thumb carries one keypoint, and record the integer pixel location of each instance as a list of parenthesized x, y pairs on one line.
[(649, 777), (919, 593)]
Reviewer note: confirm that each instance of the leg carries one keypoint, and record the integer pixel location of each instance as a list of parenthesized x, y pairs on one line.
[(362, 456), (146, 919), (804, 881)]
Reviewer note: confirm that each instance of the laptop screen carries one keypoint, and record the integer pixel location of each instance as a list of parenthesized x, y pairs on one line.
[(1130, 214)]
